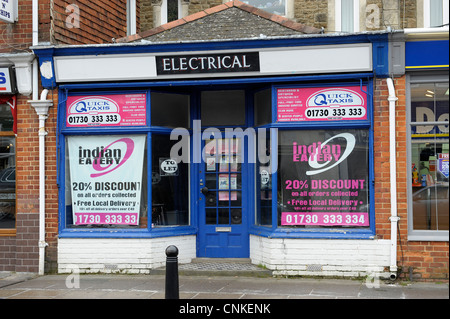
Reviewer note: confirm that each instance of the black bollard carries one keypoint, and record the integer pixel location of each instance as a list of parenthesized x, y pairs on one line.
[(172, 287)]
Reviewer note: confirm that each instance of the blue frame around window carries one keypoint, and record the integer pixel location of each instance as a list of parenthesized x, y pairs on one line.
[(63, 131), (270, 82), (276, 231)]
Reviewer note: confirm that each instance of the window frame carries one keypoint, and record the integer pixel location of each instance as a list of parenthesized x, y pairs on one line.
[(275, 231), (164, 8), (415, 234), (10, 231), (4, 232), (427, 13), (287, 7), (338, 16), (63, 131)]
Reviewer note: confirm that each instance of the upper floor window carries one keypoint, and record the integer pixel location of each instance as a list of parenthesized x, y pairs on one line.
[(170, 10), (131, 17), (435, 13), (278, 7), (347, 15)]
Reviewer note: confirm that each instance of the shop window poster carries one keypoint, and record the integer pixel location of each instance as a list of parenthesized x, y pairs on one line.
[(106, 178), (323, 178)]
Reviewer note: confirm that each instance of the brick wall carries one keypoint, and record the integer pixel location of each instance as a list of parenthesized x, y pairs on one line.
[(7, 253), (18, 36), (99, 21)]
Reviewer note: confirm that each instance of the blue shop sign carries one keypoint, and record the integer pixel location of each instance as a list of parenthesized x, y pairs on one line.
[(427, 55)]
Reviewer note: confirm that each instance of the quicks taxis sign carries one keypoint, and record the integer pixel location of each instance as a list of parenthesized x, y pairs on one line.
[(208, 63)]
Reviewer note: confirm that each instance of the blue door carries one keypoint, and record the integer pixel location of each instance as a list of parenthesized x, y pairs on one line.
[(223, 208)]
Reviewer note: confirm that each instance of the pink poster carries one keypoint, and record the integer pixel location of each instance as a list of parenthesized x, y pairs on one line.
[(321, 104), (107, 110)]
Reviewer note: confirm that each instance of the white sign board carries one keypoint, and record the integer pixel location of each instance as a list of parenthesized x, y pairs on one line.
[(8, 10)]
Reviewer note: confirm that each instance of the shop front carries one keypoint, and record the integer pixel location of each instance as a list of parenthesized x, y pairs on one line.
[(427, 88), (259, 149)]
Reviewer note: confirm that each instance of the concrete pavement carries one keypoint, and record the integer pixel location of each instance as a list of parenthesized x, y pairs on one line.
[(31, 286)]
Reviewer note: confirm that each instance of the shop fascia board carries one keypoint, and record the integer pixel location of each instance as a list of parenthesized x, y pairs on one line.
[(22, 63), (332, 58)]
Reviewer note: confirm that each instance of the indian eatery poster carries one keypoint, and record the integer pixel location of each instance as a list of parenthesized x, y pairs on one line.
[(106, 178)]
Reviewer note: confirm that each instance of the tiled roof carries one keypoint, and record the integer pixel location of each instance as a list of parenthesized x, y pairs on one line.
[(231, 20)]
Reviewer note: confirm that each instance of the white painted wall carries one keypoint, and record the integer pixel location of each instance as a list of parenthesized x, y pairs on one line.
[(321, 257), (290, 257), (120, 255)]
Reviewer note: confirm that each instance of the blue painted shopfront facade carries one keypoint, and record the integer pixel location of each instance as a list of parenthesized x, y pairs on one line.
[(219, 158)]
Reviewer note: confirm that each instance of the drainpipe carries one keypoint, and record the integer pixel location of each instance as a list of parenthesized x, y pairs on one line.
[(393, 178), (41, 107), (35, 21)]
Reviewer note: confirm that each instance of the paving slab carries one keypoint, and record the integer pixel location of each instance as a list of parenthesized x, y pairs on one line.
[(211, 287)]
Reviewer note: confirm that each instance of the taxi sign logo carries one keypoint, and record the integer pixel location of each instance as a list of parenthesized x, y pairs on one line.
[(334, 98)]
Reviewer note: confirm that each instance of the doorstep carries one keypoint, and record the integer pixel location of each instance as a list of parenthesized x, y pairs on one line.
[(218, 267)]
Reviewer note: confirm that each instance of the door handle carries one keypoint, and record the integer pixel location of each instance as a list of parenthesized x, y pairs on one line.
[(205, 190)]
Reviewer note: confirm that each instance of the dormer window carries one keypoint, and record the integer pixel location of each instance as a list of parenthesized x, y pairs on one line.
[(278, 7), (170, 10)]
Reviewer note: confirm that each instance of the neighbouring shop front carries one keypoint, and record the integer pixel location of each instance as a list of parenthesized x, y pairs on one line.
[(258, 149), (427, 86)]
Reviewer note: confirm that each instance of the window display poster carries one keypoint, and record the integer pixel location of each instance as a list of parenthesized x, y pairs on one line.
[(443, 164), (321, 104), (106, 110), (323, 178), (106, 178)]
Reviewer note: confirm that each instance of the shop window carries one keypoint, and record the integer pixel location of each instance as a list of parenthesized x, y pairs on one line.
[(314, 162), (170, 110), (120, 176), (106, 181), (429, 145), (263, 107), (220, 108), (7, 169), (264, 181), (323, 178), (170, 184)]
